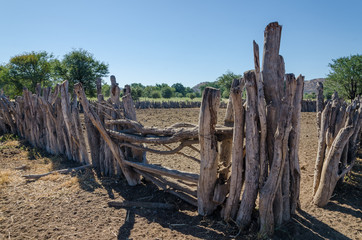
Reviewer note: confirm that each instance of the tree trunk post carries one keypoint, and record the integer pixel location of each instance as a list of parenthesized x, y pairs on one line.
[(208, 151), (131, 176), (237, 163), (252, 161)]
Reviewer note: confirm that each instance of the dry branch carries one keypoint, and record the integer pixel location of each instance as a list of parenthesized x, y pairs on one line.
[(163, 186), (191, 177)]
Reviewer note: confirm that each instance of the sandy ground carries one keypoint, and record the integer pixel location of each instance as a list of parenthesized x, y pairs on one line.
[(74, 206)]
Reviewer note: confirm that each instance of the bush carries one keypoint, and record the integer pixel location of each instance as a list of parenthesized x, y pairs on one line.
[(191, 95), (155, 94), (166, 92), (179, 95), (226, 94)]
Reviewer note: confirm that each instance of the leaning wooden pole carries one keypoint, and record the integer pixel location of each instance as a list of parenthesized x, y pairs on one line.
[(131, 177), (208, 151)]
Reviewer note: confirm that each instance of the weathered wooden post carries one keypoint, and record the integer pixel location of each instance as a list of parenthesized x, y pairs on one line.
[(294, 136), (262, 117), (252, 164), (337, 136), (320, 104), (237, 162), (131, 177), (222, 186), (208, 151), (130, 113)]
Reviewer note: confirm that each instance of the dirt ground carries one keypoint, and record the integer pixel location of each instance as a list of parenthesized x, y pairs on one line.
[(74, 206)]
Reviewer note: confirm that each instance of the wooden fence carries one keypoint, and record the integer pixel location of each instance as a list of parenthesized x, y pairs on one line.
[(254, 153), (307, 105)]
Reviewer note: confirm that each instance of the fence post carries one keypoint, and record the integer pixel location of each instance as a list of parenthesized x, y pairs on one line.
[(208, 151)]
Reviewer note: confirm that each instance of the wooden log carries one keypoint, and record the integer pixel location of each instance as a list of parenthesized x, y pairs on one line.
[(108, 157), (83, 153), (231, 206), (222, 186), (70, 125), (284, 215), (63, 171), (50, 122), (130, 113), (294, 137), (159, 170), (252, 161), (262, 117), (99, 86), (273, 71), (177, 185), (269, 217), (93, 141), (102, 143), (132, 204), (330, 174), (132, 179), (321, 146), (208, 151), (162, 185), (268, 192), (320, 104), (172, 151)]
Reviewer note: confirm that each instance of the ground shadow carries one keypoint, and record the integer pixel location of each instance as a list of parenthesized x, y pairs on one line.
[(305, 226)]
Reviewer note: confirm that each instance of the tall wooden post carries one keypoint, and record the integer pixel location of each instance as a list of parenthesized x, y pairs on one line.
[(208, 150), (237, 162), (252, 164)]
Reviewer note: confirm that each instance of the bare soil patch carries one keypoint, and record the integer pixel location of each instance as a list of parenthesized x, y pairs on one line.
[(74, 206)]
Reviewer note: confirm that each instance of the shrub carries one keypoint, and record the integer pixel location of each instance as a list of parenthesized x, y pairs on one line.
[(155, 94)]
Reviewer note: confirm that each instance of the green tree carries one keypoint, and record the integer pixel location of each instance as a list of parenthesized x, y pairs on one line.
[(137, 91), (106, 90), (179, 88), (225, 81), (167, 92), (27, 70), (345, 76), (155, 94), (80, 66)]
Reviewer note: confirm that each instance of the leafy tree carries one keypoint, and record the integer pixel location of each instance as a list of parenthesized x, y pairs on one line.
[(191, 95), (346, 76), (311, 96), (81, 66), (137, 91), (155, 94), (179, 88), (166, 92), (225, 81), (27, 70), (106, 90)]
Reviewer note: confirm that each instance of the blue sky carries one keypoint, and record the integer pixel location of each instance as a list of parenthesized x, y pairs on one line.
[(186, 41)]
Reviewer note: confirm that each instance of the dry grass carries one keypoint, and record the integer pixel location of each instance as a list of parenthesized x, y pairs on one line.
[(5, 177)]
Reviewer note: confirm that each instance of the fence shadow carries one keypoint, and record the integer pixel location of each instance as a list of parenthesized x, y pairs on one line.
[(305, 226)]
